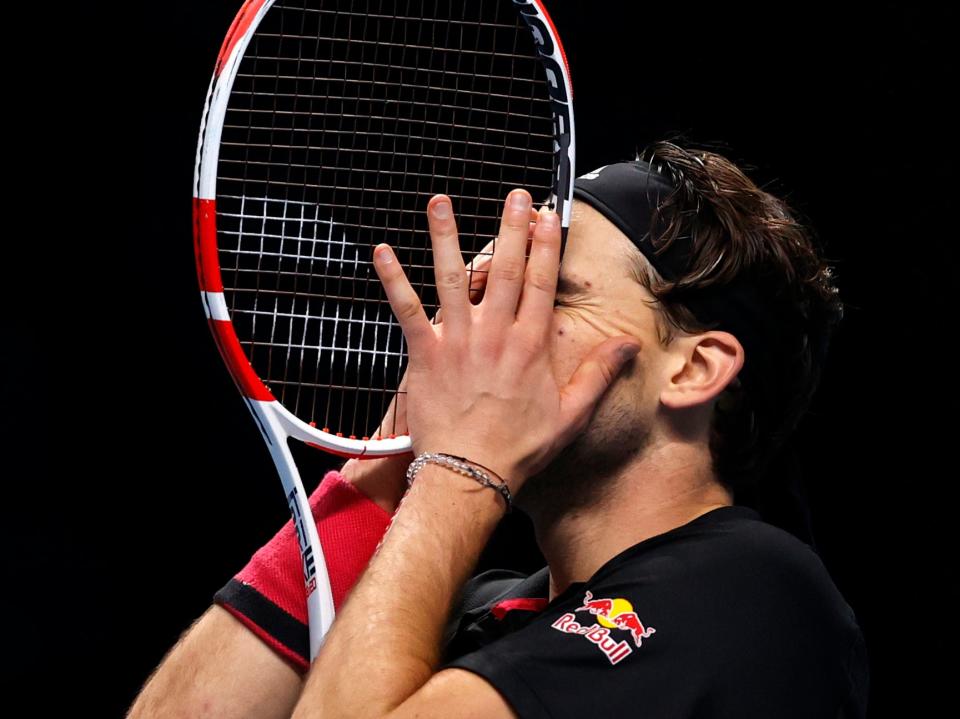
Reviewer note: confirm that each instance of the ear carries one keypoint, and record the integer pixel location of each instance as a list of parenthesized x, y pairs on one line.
[(701, 367)]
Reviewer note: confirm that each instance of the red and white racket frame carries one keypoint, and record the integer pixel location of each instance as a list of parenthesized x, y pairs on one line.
[(276, 423)]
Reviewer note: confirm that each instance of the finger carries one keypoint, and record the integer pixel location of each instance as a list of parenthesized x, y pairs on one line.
[(509, 258), (394, 420), (403, 299), (591, 379), (531, 225), (540, 280), (478, 270), (448, 267)]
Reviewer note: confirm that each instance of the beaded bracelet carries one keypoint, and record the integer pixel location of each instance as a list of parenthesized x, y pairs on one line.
[(461, 465)]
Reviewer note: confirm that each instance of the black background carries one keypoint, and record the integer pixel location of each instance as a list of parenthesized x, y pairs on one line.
[(159, 487)]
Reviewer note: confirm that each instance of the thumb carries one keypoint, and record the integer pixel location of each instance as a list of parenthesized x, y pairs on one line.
[(591, 379)]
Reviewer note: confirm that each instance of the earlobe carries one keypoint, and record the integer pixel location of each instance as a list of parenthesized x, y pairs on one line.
[(708, 363)]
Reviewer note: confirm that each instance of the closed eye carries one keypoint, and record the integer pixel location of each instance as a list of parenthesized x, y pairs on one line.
[(567, 287), (569, 292)]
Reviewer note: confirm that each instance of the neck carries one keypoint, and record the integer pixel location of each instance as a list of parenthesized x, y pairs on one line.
[(667, 488)]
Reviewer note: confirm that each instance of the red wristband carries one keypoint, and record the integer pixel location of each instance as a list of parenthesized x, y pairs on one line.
[(350, 525)]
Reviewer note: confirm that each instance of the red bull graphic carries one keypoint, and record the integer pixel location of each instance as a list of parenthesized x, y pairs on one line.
[(595, 606), (612, 614), (631, 622)]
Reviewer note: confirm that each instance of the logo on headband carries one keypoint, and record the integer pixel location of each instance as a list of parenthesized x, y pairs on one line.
[(593, 174)]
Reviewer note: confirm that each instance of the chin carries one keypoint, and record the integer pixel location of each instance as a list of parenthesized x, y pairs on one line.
[(581, 475)]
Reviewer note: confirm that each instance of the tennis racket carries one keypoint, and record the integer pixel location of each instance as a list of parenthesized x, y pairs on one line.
[(328, 125)]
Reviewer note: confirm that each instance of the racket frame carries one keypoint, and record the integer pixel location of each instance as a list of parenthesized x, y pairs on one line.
[(275, 422)]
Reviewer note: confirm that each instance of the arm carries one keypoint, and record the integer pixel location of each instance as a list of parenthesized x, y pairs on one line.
[(393, 638), (219, 668), (486, 372)]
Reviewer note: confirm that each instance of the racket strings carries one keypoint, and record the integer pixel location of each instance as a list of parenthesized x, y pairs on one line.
[(425, 123), (342, 123)]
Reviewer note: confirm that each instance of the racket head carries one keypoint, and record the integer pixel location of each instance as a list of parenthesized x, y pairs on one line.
[(327, 128)]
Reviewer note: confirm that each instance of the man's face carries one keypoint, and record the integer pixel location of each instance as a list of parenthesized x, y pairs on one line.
[(598, 298)]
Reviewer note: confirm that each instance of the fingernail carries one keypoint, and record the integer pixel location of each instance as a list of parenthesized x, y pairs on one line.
[(549, 219), (629, 351), (384, 255), (442, 210), (520, 200)]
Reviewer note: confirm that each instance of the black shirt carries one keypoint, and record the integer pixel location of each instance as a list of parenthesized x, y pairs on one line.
[(726, 616)]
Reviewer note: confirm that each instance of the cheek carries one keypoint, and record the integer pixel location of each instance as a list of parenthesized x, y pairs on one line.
[(575, 334), (572, 340)]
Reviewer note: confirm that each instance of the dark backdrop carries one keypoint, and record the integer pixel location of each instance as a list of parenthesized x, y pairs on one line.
[(161, 485)]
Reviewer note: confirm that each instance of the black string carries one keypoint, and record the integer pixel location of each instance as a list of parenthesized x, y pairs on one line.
[(343, 122)]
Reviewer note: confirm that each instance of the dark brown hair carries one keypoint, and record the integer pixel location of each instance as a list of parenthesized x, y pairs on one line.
[(738, 230)]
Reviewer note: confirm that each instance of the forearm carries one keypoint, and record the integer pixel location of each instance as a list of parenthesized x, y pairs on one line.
[(389, 631), (219, 668)]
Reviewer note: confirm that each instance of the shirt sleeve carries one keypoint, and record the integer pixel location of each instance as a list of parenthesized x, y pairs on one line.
[(268, 595)]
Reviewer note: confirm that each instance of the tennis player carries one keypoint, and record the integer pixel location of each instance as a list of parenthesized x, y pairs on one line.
[(626, 408)]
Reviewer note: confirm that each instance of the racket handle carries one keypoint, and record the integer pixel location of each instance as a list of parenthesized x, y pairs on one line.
[(320, 610)]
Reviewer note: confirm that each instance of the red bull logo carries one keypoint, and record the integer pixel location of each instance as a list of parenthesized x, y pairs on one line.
[(612, 614)]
